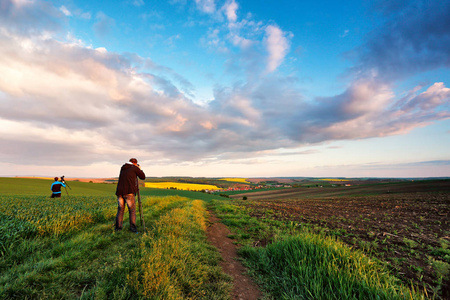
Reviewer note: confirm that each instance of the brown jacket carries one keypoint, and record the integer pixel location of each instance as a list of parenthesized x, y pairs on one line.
[(128, 179)]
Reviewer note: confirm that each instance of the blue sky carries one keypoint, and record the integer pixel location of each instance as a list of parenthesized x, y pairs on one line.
[(225, 88)]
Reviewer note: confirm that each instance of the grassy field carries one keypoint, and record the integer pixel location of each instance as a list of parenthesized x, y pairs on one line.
[(41, 187), (67, 249)]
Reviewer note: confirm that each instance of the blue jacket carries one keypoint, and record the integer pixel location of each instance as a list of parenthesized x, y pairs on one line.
[(56, 187)]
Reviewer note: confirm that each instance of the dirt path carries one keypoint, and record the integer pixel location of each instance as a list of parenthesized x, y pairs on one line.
[(244, 288)]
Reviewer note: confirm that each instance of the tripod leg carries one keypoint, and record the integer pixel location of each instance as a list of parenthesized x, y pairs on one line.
[(141, 214)]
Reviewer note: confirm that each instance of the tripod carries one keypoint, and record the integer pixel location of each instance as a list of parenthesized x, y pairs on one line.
[(141, 214), (64, 181)]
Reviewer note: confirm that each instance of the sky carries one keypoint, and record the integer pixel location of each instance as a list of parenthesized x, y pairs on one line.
[(209, 88)]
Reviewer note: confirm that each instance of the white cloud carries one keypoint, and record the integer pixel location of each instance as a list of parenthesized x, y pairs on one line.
[(21, 3), (65, 11), (436, 95), (344, 34), (230, 10), (277, 45), (96, 105), (206, 6), (240, 41)]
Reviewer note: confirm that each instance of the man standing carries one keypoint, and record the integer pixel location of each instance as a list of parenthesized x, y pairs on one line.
[(127, 188), (56, 188)]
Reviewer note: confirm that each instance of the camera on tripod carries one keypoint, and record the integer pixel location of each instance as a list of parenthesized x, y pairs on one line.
[(64, 181)]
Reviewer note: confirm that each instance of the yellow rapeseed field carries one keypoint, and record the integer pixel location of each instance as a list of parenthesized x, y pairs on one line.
[(243, 180), (181, 186), (333, 179)]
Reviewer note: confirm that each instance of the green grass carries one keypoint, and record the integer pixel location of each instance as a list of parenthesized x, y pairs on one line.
[(66, 248), (309, 266), (41, 187)]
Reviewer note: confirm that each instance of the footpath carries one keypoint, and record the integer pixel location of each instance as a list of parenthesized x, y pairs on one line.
[(244, 288)]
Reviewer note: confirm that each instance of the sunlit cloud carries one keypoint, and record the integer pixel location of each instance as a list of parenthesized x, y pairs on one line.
[(64, 96), (277, 46)]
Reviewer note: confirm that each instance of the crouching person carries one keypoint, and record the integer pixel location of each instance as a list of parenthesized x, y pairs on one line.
[(56, 188)]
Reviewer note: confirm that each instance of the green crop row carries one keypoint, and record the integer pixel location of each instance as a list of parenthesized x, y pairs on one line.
[(26, 217), (68, 249)]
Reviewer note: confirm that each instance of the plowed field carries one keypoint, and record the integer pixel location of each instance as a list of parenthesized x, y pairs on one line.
[(407, 226)]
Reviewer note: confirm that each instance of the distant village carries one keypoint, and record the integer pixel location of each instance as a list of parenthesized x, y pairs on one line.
[(249, 188), (270, 186)]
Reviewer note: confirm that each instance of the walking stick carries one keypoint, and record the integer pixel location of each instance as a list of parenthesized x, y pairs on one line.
[(141, 214)]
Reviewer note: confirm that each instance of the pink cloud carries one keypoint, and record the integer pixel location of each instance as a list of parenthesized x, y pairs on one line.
[(277, 45), (230, 10)]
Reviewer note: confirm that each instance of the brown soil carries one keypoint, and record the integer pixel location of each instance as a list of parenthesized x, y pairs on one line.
[(244, 288), (356, 188), (280, 180), (406, 229)]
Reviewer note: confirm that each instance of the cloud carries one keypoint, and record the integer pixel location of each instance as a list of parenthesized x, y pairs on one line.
[(277, 46), (65, 11), (430, 99), (415, 38), (230, 10), (104, 25), (85, 15), (206, 6), (431, 163), (26, 17), (89, 93), (344, 34), (369, 109), (96, 105)]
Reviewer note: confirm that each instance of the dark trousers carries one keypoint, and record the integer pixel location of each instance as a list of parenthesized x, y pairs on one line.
[(55, 195), (129, 199)]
